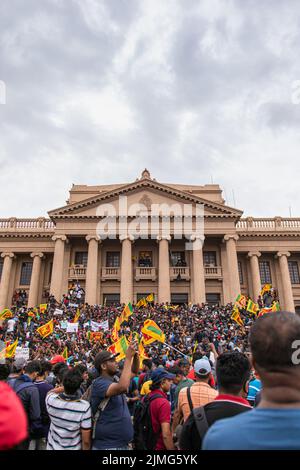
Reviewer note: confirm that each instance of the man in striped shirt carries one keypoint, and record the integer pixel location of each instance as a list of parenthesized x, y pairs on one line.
[(70, 416)]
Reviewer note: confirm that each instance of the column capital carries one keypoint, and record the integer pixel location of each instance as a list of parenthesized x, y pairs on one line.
[(254, 253), (7, 255), (34, 255), (93, 237), (122, 238), (195, 238), (159, 238), (230, 236), (59, 237), (283, 253)]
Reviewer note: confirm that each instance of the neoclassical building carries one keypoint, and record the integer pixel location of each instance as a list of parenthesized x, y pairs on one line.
[(238, 254)]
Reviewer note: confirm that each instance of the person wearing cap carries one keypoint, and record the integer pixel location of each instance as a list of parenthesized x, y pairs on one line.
[(160, 408), (233, 373), (201, 392), (113, 429)]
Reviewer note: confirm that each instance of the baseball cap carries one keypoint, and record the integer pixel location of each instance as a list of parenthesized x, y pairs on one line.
[(160, 374), (104, 356), (57, 359), (202, 367)]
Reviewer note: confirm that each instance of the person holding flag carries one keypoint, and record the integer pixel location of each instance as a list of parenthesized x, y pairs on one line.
[(113, 428)]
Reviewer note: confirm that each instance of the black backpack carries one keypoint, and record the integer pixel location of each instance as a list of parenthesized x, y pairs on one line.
[(193, 430), (144, 437)]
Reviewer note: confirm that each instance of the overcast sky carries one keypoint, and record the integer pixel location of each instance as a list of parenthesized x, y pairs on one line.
[(196, 91)]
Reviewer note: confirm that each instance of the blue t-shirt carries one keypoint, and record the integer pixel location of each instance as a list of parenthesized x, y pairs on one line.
[(254, 388), (258, 429), (114, 427)]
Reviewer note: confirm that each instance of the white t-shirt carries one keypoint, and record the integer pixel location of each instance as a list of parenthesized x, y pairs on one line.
[(11, 325)]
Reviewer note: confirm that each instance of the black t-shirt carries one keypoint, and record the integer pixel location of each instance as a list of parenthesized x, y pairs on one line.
[(217, 409)]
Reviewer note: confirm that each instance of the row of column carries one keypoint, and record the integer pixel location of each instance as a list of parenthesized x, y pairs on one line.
[(287, 291), (164, 285)]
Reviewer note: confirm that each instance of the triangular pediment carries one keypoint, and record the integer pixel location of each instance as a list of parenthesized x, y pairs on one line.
[(146, 192)]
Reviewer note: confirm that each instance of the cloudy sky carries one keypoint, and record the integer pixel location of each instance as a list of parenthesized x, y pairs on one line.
[(196, 91)]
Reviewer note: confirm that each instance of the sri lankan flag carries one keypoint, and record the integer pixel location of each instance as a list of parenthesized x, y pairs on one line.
[(142, 354), (150, 298), (77, 315), (11, 349), (237, 317), (46, 330), (241, 301), (276, 307), (43, 308), (252, 307), (6, 313), (115, 330), (127, 312), (141, 303), (150, 328), (120, 347), (266, 288)]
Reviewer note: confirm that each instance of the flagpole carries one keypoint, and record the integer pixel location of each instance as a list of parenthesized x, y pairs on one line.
[(177, 350)]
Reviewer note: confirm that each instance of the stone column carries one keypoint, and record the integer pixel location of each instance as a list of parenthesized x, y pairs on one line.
[(91, 282), (164, 287), (5, 279), (35, 279), (255, 274), (126, 269), (233, 269), (58, 266), (286, 282), (199, 296)]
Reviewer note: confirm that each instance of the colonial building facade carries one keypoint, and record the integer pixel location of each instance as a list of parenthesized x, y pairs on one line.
[(238, 254)]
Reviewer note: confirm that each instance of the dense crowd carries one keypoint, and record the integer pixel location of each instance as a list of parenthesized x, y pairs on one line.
[(87, 399)]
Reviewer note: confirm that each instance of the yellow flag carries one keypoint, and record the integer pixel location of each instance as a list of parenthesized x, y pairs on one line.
[(127, 312), (150, 298), (237, 317), (65, 353), (43, 308), (115, 330), (6, 313), (46, 330), (11, 349), (141, 303), (152, 330), (76, 318)]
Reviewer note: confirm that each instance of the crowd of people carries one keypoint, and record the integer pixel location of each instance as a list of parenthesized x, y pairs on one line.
[(202, 373)]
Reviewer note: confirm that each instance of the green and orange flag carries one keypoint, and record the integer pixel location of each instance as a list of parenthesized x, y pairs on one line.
[(252, 307), (151, 332), (120, 347)]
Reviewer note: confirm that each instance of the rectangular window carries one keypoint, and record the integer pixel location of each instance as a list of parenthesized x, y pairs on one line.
[(294, 272), (81, 257), (26, 271), (213, 299), (110, 299), (178, 258), (241, 272), (179, 299), (113, 259), (265, 272), (1, 269), (145, 259), (210, 258)]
